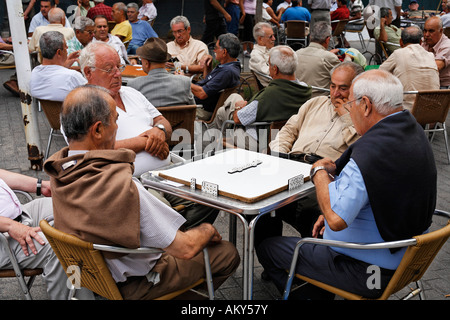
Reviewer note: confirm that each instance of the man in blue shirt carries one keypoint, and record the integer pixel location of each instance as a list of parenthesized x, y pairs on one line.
[(296, 12), (365, 197), (142, 30), (225, 75)]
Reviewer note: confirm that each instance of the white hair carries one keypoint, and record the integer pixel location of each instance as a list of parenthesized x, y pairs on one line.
[(383, 89), (87, 55), (284, 58)]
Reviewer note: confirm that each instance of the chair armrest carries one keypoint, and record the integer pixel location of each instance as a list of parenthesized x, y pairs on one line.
[(26, 194), (102, 247)]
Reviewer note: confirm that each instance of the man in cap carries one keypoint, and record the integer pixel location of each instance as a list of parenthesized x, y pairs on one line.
[(160, 87)]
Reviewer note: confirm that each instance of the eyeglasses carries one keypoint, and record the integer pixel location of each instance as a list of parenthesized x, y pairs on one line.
[(179, 31), (112, 70), (348, 103), (90, 31), (270, 37)]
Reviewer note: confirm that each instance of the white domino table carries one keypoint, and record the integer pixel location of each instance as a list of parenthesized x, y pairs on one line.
[(241, 183)]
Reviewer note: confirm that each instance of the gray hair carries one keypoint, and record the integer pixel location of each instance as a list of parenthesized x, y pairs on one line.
[(79, 114), (180, 19), (320, 32), (133, 5), (384, 12), (122, 7), (284, 58), (383, 89), (56, 15), (50, 42), (258, 29), (357, 69), (231, 43), (87, 55), (81, 23), (412, 34)]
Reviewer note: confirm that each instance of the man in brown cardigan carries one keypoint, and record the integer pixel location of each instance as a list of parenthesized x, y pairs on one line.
[(96, 199)]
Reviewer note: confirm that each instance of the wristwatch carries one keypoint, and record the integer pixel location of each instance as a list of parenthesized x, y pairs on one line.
[(160, 126), (314, 170), (38, 186)]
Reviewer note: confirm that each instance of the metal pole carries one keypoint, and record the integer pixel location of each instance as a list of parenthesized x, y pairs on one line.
[(23, 70), (258, 14)]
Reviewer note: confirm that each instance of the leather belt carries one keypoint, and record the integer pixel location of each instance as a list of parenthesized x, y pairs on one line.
[(302, 157)]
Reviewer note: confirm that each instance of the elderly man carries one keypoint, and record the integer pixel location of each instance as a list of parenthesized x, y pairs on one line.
[(142, 128), (394, 5), (21, 223), (259, 57), (321, 128), (53, 80), (84, 32), (361, 203), (148, 11), (101, 34), (315, 61), (387, 32), (284, 91), (225, 75), (413, 65), (141, 30), (436, 41), (100, 9), (56, 18), (41, 19), (97, 215), (122, 29), (160, 87), (187, 50)]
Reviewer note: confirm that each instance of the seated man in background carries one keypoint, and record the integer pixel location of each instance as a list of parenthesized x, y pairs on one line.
[(101, 34), (97, 214), (53, 80), (362, 202), (387, 32), (413, 65), (122, 29), (142, 128), (141, 29), (278, 101), (187, 50), (259, 57), (84, 32), (160, 87), (225, 75)]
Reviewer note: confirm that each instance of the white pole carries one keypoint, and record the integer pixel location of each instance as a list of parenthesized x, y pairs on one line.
[(23, 70)]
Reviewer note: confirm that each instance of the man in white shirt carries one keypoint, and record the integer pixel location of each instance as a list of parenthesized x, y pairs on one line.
[(52, 80), (148, 11), (259, 57)]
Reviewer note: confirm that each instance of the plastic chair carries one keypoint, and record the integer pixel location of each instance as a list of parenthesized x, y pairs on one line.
[(338, 31), (431, 107), (418, 256), (296, 31), (16, 271), (94, 273), (52, 110), (225, 93)]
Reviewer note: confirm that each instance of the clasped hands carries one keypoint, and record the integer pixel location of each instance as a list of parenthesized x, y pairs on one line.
[(156, 144)]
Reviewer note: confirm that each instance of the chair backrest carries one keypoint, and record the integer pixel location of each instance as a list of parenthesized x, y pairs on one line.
[(72, 251), (180, 117), (295, 29), (447, 31), (223, 96), (431, 106), (52, 110), (340, 27), (417, 259)]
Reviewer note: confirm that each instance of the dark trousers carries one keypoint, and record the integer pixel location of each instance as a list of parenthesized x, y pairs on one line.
[(320, 263), (213, 29)]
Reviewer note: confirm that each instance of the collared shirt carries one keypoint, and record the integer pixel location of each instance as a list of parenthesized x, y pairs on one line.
[(259, 62), (39, 20), (142, 30), (350, 201), (9, 204), (149, 11), (316, 129), (393, 33), (117, 44), (74, 45), (441, 51), (416, 69), (190, 53), (123, 29), (33, 45)]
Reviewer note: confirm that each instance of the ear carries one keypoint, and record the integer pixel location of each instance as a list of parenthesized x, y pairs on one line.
[(96, 130), (368, 106)]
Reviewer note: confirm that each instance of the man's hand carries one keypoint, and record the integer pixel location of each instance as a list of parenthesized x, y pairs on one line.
[(339, 106), (319, 227), (25, 235), (45, 189), (71, 58), (328, 164), (156, 143)]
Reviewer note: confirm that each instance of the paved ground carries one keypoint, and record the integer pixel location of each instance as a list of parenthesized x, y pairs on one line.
[(14, 157)]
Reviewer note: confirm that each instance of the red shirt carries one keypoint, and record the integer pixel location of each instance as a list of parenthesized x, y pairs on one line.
[(102, 9), (341, 13)]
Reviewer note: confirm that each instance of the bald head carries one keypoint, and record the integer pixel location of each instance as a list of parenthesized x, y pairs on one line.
[(432, 31), (56, 15)]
